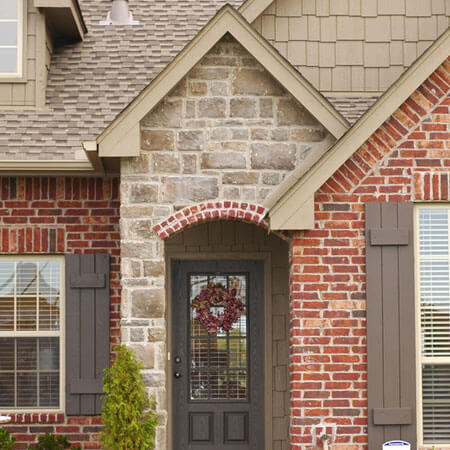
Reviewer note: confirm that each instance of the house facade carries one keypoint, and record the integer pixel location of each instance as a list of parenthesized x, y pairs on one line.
[(290, 154)]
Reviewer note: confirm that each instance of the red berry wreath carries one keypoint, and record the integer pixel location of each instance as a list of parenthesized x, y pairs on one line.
[(217, 295)]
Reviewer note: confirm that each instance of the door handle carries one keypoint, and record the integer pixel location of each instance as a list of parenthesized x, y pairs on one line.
[(177, 374)]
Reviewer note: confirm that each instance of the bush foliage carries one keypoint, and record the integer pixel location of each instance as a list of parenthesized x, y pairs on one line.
[(128, 414), (6, 440), (50, 442)]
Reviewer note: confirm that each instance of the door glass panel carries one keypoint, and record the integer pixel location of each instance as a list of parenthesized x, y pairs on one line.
[(218, 359)]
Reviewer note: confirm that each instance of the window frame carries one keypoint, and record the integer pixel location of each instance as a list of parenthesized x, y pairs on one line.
[(419, 360), (20, 75), (61, 335)]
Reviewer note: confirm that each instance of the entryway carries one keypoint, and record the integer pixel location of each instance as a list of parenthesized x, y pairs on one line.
[(218, 387), (228, 372)]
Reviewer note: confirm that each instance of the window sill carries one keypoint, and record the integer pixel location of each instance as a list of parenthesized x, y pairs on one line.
[(435, 446), (15, 412), (13, 79)]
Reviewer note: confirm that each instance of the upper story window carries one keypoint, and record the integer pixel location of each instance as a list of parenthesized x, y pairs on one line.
[(434, 357), (11, 37), (31, 347)]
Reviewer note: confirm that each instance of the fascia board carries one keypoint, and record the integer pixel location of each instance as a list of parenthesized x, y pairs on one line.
[(316, 153), (294, 216), (127, 144), (161, 86), (72, 5), (392, 99), (227, 20), (317, 105), (8, 166), (252, 9)]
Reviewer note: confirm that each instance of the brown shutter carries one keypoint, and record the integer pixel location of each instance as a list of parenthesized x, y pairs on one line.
[(390, 323), (87, 331)]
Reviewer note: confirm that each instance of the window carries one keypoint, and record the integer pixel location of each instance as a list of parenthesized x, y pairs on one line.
[(434, 298), (11, 39), (31, 312)]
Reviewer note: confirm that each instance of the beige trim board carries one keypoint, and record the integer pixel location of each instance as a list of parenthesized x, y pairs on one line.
[(252, 9), (68, 5), (290, 217), (385, 106), (121, 137), (318, 150), (11, 166), (91, 151)]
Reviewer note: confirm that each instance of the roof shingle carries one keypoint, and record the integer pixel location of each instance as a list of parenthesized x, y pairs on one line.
[(92, 81)]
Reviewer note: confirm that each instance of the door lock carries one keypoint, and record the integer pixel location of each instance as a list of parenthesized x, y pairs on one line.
[(177, 374), (177, 359)]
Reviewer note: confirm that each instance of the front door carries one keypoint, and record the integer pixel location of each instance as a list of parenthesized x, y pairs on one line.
[(217, 359)]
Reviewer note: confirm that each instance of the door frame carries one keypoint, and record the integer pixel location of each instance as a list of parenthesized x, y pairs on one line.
[(265, 257)]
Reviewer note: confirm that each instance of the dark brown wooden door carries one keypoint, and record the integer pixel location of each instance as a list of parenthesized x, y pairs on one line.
[(218, 378)]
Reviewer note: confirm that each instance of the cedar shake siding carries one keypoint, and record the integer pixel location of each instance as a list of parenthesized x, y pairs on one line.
[(352, 46)]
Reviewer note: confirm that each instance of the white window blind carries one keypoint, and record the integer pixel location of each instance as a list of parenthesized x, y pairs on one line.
[(10, 36), (30, 333), (434, 282)]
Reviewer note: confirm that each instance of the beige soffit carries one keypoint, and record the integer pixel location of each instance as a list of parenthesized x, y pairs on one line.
[(252, 9), (64, 18), (288, 199), (122, 137)]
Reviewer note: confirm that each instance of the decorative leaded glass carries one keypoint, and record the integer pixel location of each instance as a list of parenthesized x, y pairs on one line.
[(219, 362)]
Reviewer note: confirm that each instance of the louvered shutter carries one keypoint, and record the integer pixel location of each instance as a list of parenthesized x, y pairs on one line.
[(390, 323), (434, 271), (87, 331)]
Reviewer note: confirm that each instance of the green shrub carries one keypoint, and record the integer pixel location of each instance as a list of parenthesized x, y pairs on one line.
[(128, 414), (50, 442), (6, 440)]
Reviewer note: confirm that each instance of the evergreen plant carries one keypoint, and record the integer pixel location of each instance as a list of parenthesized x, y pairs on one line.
[(51, 442), (6, 440), (128, 413)]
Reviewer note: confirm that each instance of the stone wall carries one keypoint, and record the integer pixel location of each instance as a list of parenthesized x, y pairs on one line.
[(228, 131)]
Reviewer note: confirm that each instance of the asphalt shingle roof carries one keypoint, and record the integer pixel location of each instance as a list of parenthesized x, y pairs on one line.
[(90, 82)]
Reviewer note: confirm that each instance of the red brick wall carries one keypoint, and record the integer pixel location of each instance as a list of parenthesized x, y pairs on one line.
[(408, 158), (47, 215)]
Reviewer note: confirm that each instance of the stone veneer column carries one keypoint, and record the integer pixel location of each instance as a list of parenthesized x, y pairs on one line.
[(228, 131)]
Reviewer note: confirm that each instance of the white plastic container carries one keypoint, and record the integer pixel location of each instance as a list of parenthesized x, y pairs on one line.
[(396, 445)]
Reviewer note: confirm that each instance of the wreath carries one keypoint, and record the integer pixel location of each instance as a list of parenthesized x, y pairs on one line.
[(217, 295)]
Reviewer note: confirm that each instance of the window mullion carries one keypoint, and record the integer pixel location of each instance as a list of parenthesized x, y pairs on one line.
[(15, 373), (15, 296), (37, 296), (38, 396)]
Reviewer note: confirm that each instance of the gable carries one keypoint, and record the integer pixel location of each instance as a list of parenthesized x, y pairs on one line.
[(292, 206), (121, 137), (227, 131)]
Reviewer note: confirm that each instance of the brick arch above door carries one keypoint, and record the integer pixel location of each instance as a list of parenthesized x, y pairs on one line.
[(207, 211)]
